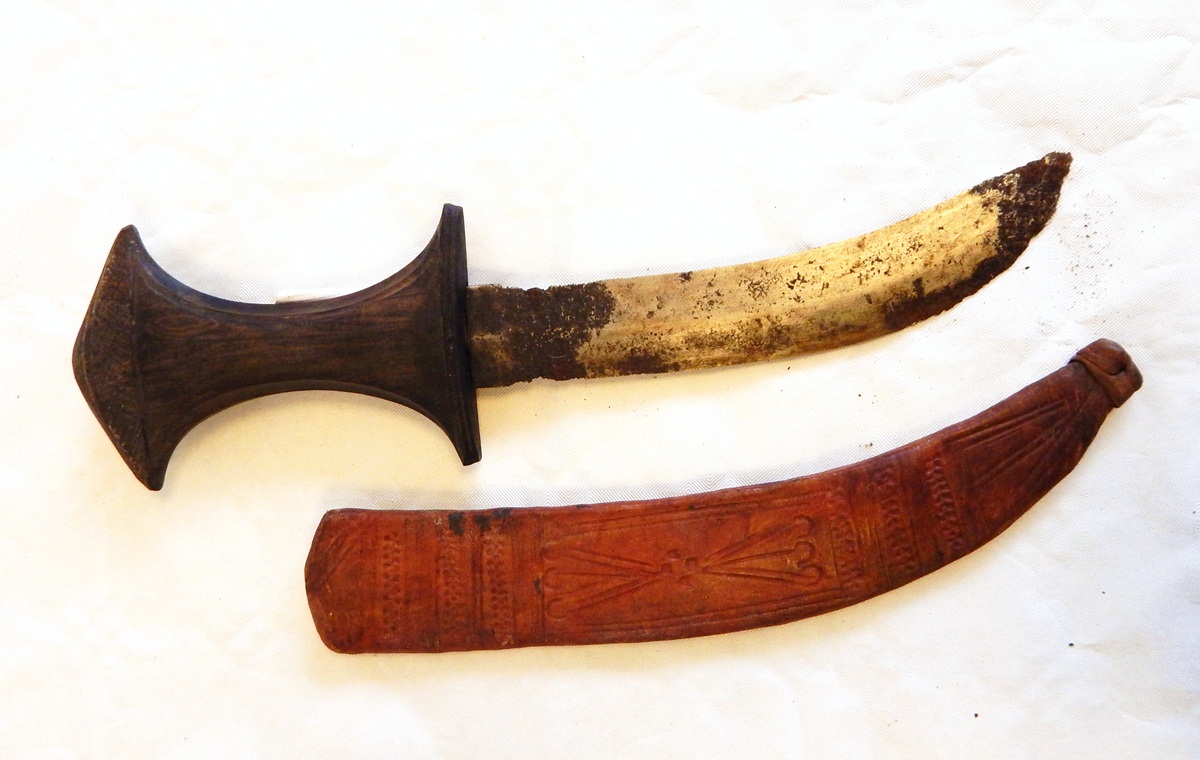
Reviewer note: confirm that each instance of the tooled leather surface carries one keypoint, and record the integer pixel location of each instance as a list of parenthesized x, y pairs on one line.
[(706, 563)]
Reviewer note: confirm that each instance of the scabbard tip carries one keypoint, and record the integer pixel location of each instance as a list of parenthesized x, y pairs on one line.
[(1112, 368), (336, 582)]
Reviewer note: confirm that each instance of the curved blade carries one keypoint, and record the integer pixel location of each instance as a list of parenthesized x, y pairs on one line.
[(428, 581), (826, 297)]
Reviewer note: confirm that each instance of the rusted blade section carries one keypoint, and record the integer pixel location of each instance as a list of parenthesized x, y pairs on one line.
[(431, 581), (810, 301)]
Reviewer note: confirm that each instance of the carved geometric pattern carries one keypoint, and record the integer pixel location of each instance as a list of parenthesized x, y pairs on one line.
[(947, 523), (391, 583), (607, 576), (846, 550), (898, 543), (761, 559), (497, 591), (686, 566), (455, 587), (991, 451)]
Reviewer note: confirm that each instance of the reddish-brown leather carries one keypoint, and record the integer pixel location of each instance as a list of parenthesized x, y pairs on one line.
[(431, 581)]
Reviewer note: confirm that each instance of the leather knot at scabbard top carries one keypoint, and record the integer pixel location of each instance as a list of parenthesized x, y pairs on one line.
[(436, 580)]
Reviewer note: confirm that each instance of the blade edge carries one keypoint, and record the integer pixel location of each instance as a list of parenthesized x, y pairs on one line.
[(814, 300)]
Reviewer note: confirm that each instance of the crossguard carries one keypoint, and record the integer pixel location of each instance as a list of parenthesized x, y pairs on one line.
[(155, 357)]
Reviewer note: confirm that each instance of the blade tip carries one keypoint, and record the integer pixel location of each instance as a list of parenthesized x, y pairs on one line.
[(1027, 198)]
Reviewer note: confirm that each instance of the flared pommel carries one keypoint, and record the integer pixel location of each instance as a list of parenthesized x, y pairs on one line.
[(155, 357)]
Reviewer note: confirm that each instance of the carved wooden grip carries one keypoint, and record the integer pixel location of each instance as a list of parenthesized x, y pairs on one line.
[(155, 357), (430, 581)]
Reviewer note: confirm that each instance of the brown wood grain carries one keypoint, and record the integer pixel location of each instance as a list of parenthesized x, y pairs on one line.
[(155, 357), (436, 580)]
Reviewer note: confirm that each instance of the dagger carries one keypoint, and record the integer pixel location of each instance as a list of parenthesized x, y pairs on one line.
[(155, 357)]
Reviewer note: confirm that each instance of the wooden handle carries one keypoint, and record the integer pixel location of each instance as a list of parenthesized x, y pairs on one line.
[(435, 580), (155, 357)]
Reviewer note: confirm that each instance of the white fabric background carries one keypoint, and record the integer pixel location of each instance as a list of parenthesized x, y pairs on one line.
[(265, 147)]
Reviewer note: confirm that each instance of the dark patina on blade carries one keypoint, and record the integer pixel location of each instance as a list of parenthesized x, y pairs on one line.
[(155, 357)]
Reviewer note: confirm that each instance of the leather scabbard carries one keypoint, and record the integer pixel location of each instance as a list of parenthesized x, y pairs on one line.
[(435, 580)]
